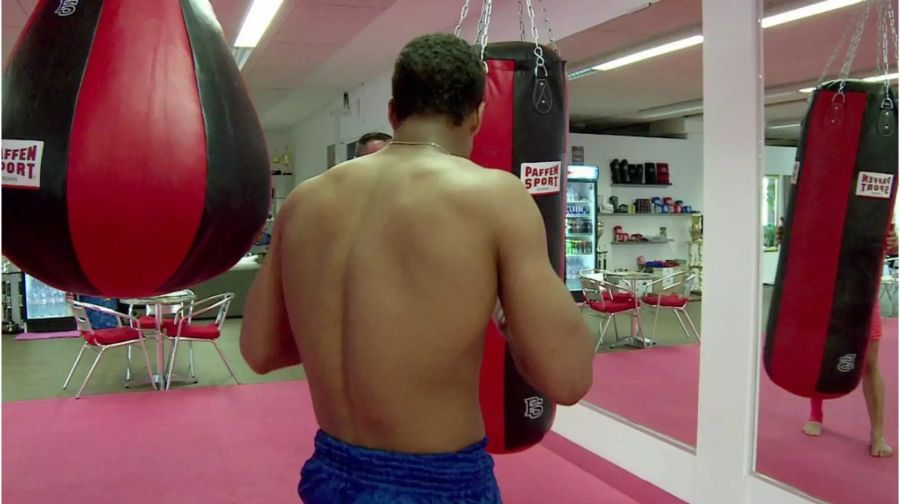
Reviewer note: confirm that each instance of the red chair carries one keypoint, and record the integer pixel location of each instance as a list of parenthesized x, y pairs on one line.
[(187, 330), (608, 300), (124, 335), (675, 295)]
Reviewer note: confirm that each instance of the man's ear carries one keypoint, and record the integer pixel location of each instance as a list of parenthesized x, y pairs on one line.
[(478, 117), (392, 113)]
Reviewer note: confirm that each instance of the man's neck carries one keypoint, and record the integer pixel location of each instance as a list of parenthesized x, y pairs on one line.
[(434, 130)]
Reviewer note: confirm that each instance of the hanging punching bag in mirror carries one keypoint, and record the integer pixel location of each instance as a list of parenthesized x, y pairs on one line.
[(829, 270), (133, 160)]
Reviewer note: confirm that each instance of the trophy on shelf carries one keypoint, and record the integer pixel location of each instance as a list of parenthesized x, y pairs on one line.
[(695, 251), (281, 163)]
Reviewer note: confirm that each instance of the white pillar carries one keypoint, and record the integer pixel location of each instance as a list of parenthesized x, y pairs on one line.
[(732, 170)]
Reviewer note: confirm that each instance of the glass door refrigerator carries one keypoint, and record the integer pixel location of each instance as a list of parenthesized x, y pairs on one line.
[(581, 224), (46, 309)]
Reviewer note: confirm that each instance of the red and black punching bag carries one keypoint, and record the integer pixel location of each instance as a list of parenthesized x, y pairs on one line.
[(523, 132), (133, 160), (841, 200)]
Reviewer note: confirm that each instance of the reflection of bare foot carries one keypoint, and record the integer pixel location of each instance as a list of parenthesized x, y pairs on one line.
[(812, 428), (879, 448)]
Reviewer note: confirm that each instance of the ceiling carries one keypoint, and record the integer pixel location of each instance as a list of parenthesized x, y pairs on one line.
[(625, 99), (316, 49)]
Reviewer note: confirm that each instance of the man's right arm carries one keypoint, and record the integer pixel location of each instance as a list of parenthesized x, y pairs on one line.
[(549, 341)]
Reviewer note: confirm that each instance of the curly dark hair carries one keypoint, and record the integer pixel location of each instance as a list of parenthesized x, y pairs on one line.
[(438, 74)]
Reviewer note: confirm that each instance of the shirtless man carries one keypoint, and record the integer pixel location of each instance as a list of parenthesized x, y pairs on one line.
[(381, 278), (873, 383)]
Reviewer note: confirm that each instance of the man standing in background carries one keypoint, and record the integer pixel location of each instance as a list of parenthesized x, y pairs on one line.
[(371, 143)]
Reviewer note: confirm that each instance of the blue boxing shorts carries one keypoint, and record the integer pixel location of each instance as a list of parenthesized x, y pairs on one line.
[(341, 473)]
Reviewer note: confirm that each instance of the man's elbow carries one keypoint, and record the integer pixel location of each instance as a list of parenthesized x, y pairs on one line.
[(574, 391), (251, 355)]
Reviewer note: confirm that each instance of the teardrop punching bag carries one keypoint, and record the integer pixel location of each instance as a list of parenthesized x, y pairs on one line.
[(133, 160), (523, 132), (840, 207)]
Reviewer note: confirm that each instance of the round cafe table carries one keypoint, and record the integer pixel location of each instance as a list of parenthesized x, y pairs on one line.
[(637, 338), (157, 302)]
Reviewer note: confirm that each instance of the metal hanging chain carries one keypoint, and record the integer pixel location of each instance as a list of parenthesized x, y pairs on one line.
[(549, 30), (483, 26), (462, 17), (538, 50), (834, 53), (893, 25), (521, 23), (885, 64), (854, 46), (480, 24), (487, 26)]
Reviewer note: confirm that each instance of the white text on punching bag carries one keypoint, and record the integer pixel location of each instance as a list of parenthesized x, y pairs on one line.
[(534, 407), (66, 7)]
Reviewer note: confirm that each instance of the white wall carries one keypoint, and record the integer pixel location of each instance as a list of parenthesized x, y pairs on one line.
[(368, 109), (310, 140), (333, 125), (685, 158)]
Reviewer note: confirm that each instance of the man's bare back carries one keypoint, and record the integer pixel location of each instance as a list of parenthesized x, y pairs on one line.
[(390, 284), (381, 277)]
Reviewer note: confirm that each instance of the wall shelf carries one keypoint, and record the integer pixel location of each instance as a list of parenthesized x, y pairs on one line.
[(650, 242), (646, 214)]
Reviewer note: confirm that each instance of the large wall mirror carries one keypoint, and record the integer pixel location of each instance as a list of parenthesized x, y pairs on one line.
[(635, 201), (835, 450)]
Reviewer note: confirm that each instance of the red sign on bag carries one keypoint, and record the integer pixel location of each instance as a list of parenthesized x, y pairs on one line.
[(541, 178), (22, 163)]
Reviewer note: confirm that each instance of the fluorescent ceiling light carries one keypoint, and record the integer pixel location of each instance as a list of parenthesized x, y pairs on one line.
[(774, 20), (581, 73), (879, 78), (258, 19), (651, 53), (784, 126), (807, 11), (874, 78)]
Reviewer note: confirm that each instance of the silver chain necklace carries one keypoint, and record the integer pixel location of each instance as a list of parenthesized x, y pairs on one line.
[(424, 144)]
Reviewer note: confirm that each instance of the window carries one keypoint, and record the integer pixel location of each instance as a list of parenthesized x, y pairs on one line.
[(771, 198)]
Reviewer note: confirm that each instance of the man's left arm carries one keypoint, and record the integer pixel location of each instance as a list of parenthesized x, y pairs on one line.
[(267, 342)]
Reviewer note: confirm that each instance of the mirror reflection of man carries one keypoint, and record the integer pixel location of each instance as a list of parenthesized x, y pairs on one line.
[(873, 383), (371, 143)]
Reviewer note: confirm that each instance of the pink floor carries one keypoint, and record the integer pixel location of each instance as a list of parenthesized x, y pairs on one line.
[(241, 444), (657, 388), (46, 335)]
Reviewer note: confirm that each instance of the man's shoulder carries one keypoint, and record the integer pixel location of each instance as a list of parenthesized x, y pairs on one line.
[(482, 178)]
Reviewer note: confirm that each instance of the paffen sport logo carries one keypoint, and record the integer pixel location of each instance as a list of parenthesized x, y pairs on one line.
[(847, 363), (534, 407), (66, 7)]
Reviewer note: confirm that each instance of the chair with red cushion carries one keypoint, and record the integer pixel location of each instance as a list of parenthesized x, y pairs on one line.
[(123, 335), (186, 329), (674, 293), (608, 300)]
